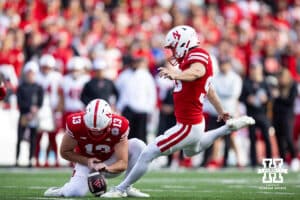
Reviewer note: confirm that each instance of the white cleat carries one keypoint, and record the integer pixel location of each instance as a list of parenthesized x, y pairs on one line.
[(235, 124), (133, 192), (53, 192), (295, 165), (114, 193)]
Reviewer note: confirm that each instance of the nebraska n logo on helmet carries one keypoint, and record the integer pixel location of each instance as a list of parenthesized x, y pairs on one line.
[(180, 39), (97, 115), (176, 35)]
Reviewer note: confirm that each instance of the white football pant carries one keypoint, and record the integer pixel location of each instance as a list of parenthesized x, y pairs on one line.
[(190, 138), (78, 186)]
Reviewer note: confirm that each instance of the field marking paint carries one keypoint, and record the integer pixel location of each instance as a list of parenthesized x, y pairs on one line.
[(9, 186), (154, 190), (18, 170), (186, 191), (244, 181), (29, 187), (243, 186), (48, 198), (204, 180), (279, 193), (239, 181), (235, 186), (178, 187), (37, 187)]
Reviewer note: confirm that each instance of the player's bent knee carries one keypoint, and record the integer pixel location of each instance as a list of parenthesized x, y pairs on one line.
[(71, 190), (135, 147), (189, 153), (136, 144)]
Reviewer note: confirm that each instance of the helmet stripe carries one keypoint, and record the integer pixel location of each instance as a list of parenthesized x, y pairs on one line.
[(95, 113), (187, 44)]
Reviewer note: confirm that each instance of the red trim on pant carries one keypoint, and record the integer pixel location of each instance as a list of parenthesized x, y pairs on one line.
[(177, 140), (168, 139)]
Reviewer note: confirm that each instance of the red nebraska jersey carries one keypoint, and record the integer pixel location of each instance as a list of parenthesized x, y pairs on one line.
[(91, 146), (188, 96)]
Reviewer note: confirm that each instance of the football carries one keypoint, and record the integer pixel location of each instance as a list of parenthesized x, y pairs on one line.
[(97, 183)]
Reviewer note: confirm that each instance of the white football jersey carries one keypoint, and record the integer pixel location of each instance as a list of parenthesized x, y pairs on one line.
[(51, 84), (72, 90)]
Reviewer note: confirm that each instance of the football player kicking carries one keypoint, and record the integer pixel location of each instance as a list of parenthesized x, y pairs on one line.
[(100, 142), (192, 85)]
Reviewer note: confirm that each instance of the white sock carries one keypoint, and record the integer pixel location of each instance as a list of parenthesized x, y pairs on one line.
[(135, 148), (209, 137), (140, 167)]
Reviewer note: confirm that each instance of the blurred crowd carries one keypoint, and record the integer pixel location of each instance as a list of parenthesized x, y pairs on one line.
[(55, 56)]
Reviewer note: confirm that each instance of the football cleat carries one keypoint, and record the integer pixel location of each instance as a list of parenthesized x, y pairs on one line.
[(53, 192), (133, 192), (295, 165), (114, 193), (235, 124)]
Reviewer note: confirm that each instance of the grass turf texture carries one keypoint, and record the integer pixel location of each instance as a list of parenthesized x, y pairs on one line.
[(196, 184)]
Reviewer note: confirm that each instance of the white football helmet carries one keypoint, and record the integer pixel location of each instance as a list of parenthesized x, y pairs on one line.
[(47, 60), (97, 115), (75, 63), (180, 39)]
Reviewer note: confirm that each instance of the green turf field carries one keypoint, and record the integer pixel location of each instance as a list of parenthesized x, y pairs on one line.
[(200, 184)]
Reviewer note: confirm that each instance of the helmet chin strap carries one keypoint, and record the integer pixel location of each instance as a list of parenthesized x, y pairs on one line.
[(173, 61)]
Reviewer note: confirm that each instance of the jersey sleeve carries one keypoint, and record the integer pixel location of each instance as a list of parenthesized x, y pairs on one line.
[(124, 129), (69, 127), (198, 56), (74, 125), (124, 136)]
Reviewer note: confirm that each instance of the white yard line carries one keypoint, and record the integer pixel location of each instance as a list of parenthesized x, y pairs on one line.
[(178, 187), (17, 170), (29, 187), (279, 193), (47, 198), (9, 186), (199, 180), (187, 190), (37, 187)]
